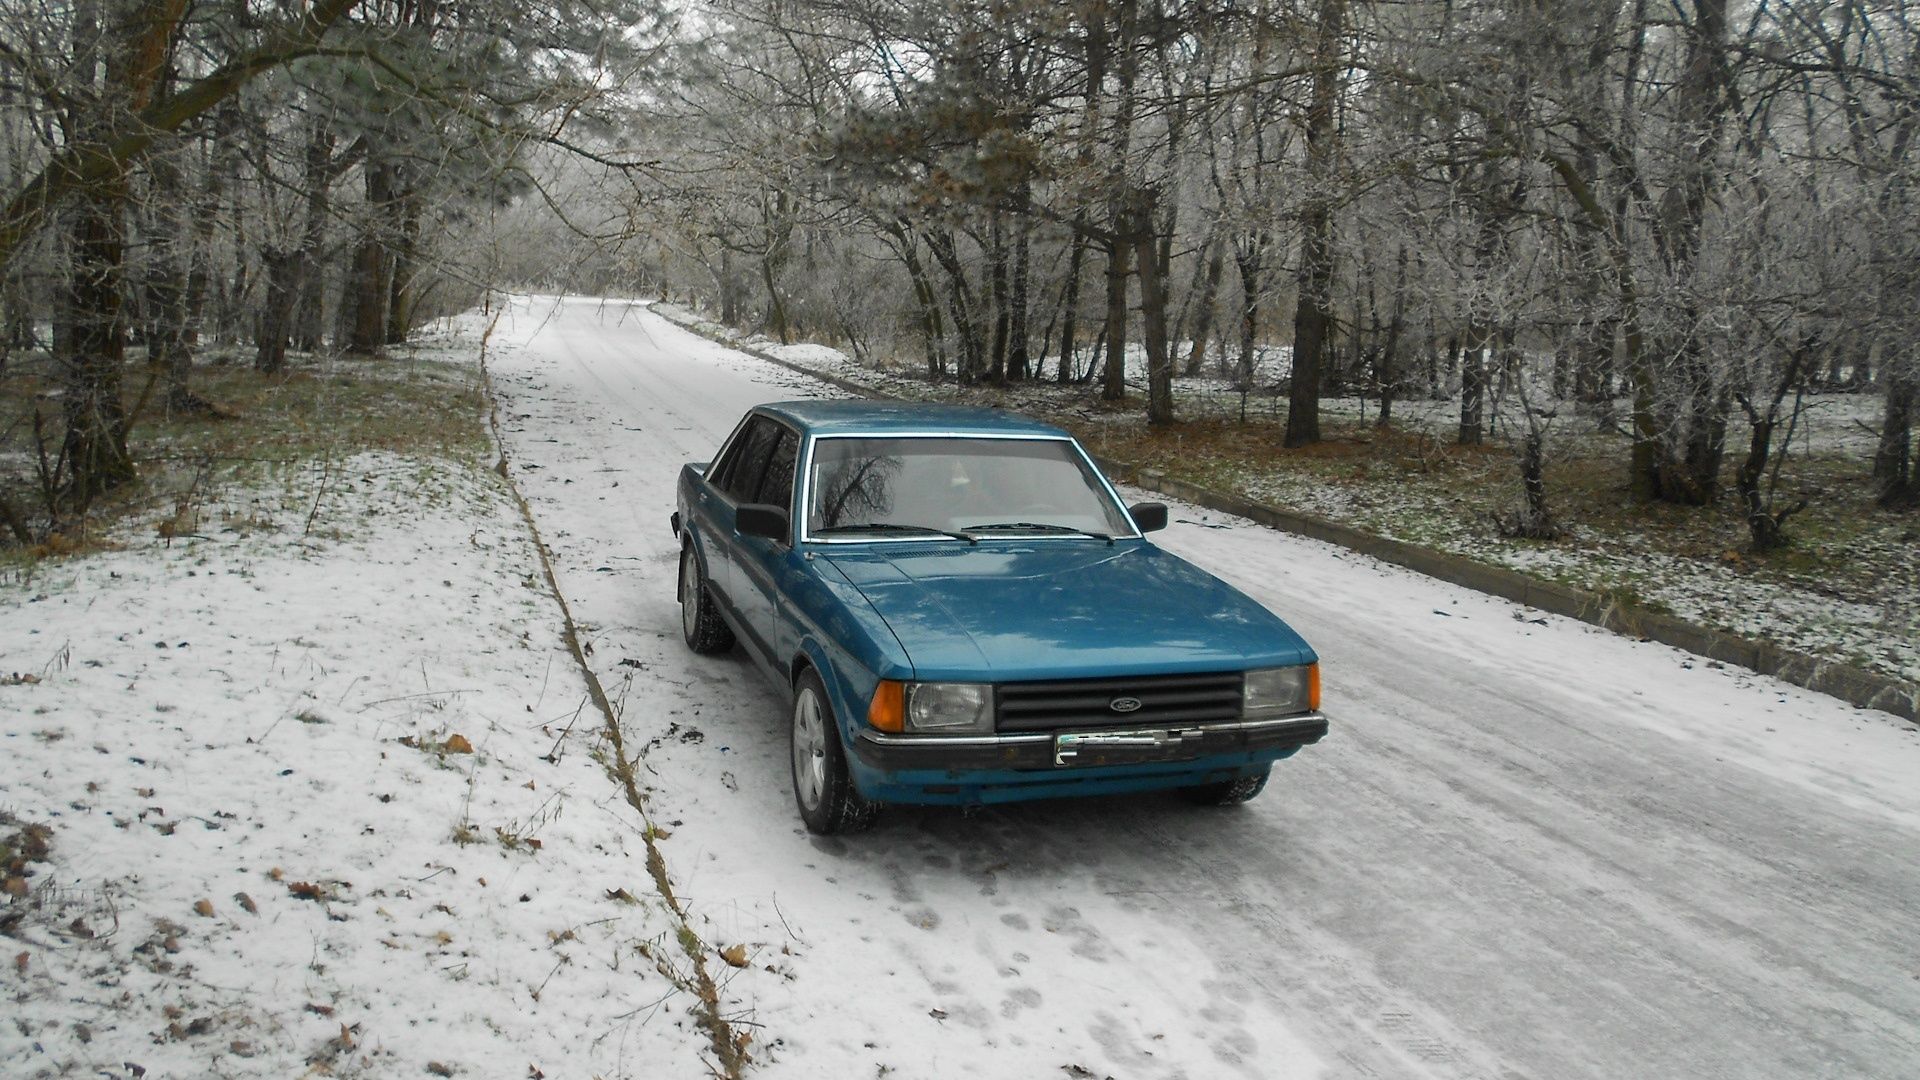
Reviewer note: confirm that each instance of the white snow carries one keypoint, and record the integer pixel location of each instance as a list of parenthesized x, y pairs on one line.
[(258, 716), (1529, 847)]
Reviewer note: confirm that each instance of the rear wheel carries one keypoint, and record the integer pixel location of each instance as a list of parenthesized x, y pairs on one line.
[(1227, 792), (700, 621), (822, 786)]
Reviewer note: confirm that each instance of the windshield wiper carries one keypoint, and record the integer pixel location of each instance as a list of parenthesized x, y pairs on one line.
[(892, 527), (1038, 527)]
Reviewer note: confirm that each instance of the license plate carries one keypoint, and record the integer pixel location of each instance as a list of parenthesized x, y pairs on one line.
[(1084, 748)]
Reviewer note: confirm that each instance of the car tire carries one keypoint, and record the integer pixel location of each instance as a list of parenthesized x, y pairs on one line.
[(1227, 792), (700, 620), (822, 785)]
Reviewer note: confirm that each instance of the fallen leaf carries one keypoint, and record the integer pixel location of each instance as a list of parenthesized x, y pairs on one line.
[(937, 1014), (276, 873), (15, 887), (457, 744), (621, 895), (246, 903), (20, 963), (203, 908), (319, 1010), (438, 1069), (307, 890), (443, 938), (80, 928), (534, 1073), (534, 844), (735, 955)]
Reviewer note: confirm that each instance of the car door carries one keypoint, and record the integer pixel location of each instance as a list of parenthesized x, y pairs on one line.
[(734, 480), (762, 563)]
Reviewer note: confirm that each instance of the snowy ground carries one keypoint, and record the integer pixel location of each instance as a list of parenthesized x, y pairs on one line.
[(1529, 849), (320, 792)]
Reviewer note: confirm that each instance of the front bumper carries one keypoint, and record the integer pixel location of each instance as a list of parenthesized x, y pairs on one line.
[(1062, 754)]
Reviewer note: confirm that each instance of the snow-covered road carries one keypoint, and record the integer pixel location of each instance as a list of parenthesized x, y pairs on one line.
[(1528, 848)]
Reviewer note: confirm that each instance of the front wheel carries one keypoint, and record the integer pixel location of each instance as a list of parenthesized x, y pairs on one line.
[(1226, 792), (700, 621), (822, 786)]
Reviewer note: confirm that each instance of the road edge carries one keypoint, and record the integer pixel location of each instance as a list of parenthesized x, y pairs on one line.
[(729, 1047), (1856, 686)]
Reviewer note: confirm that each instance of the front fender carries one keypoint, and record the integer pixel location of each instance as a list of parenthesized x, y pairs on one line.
[(845, 640)]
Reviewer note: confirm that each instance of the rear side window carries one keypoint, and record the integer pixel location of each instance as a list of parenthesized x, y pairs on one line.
[(776, 485)]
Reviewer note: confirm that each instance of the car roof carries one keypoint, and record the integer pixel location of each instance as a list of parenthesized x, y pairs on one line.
[(854, 416)]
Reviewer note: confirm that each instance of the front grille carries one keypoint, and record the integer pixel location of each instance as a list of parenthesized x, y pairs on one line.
[(1078, 703)]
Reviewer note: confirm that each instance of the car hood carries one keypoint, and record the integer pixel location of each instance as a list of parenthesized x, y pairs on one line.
[(1063, 609)]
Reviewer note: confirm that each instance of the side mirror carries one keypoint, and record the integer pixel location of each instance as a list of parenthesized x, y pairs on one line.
[(1148, 517), (763, 520)]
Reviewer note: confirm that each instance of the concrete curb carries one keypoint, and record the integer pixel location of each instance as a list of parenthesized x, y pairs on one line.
[(1856, 686)]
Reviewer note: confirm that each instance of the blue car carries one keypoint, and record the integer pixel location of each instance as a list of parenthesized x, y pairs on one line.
[(961, 609)]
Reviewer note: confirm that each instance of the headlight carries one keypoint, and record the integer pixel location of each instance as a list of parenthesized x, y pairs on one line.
[(1272, 692), (950, 707)]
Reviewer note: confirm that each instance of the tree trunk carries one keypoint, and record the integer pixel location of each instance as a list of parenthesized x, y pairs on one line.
[(1205, 303), (1387, 365), (932, 334), (1893, 466), (276, 316), (1473, 388), (1249, 257), (369, 286), (960, 305), (310, 299), (1071, 303), (1153, 311), (1113, 385), (1019, 359), (90, 368), (406, 259), (998, 298), (169, 344), (1696, 405), (95, 446), (1313, 315)]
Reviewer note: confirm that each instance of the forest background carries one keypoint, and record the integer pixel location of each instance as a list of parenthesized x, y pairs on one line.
[(1604, 276)]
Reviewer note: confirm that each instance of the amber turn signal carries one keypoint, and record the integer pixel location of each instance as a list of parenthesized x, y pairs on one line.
[(1313, 687), (888, 712)]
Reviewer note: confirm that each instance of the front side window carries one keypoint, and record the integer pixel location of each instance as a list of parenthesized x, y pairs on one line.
[(739, 472), (881, 486), (776, 485)]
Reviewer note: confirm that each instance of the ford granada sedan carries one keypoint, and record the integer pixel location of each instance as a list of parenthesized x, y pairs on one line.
[(961, 609)]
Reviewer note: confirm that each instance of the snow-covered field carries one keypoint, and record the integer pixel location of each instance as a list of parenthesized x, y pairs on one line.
[(321, 793), (1528, 849)]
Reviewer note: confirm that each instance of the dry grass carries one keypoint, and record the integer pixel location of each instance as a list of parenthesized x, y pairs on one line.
[(321, 410)]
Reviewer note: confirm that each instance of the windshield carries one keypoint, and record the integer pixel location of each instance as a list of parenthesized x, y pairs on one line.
[(893, 486)]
